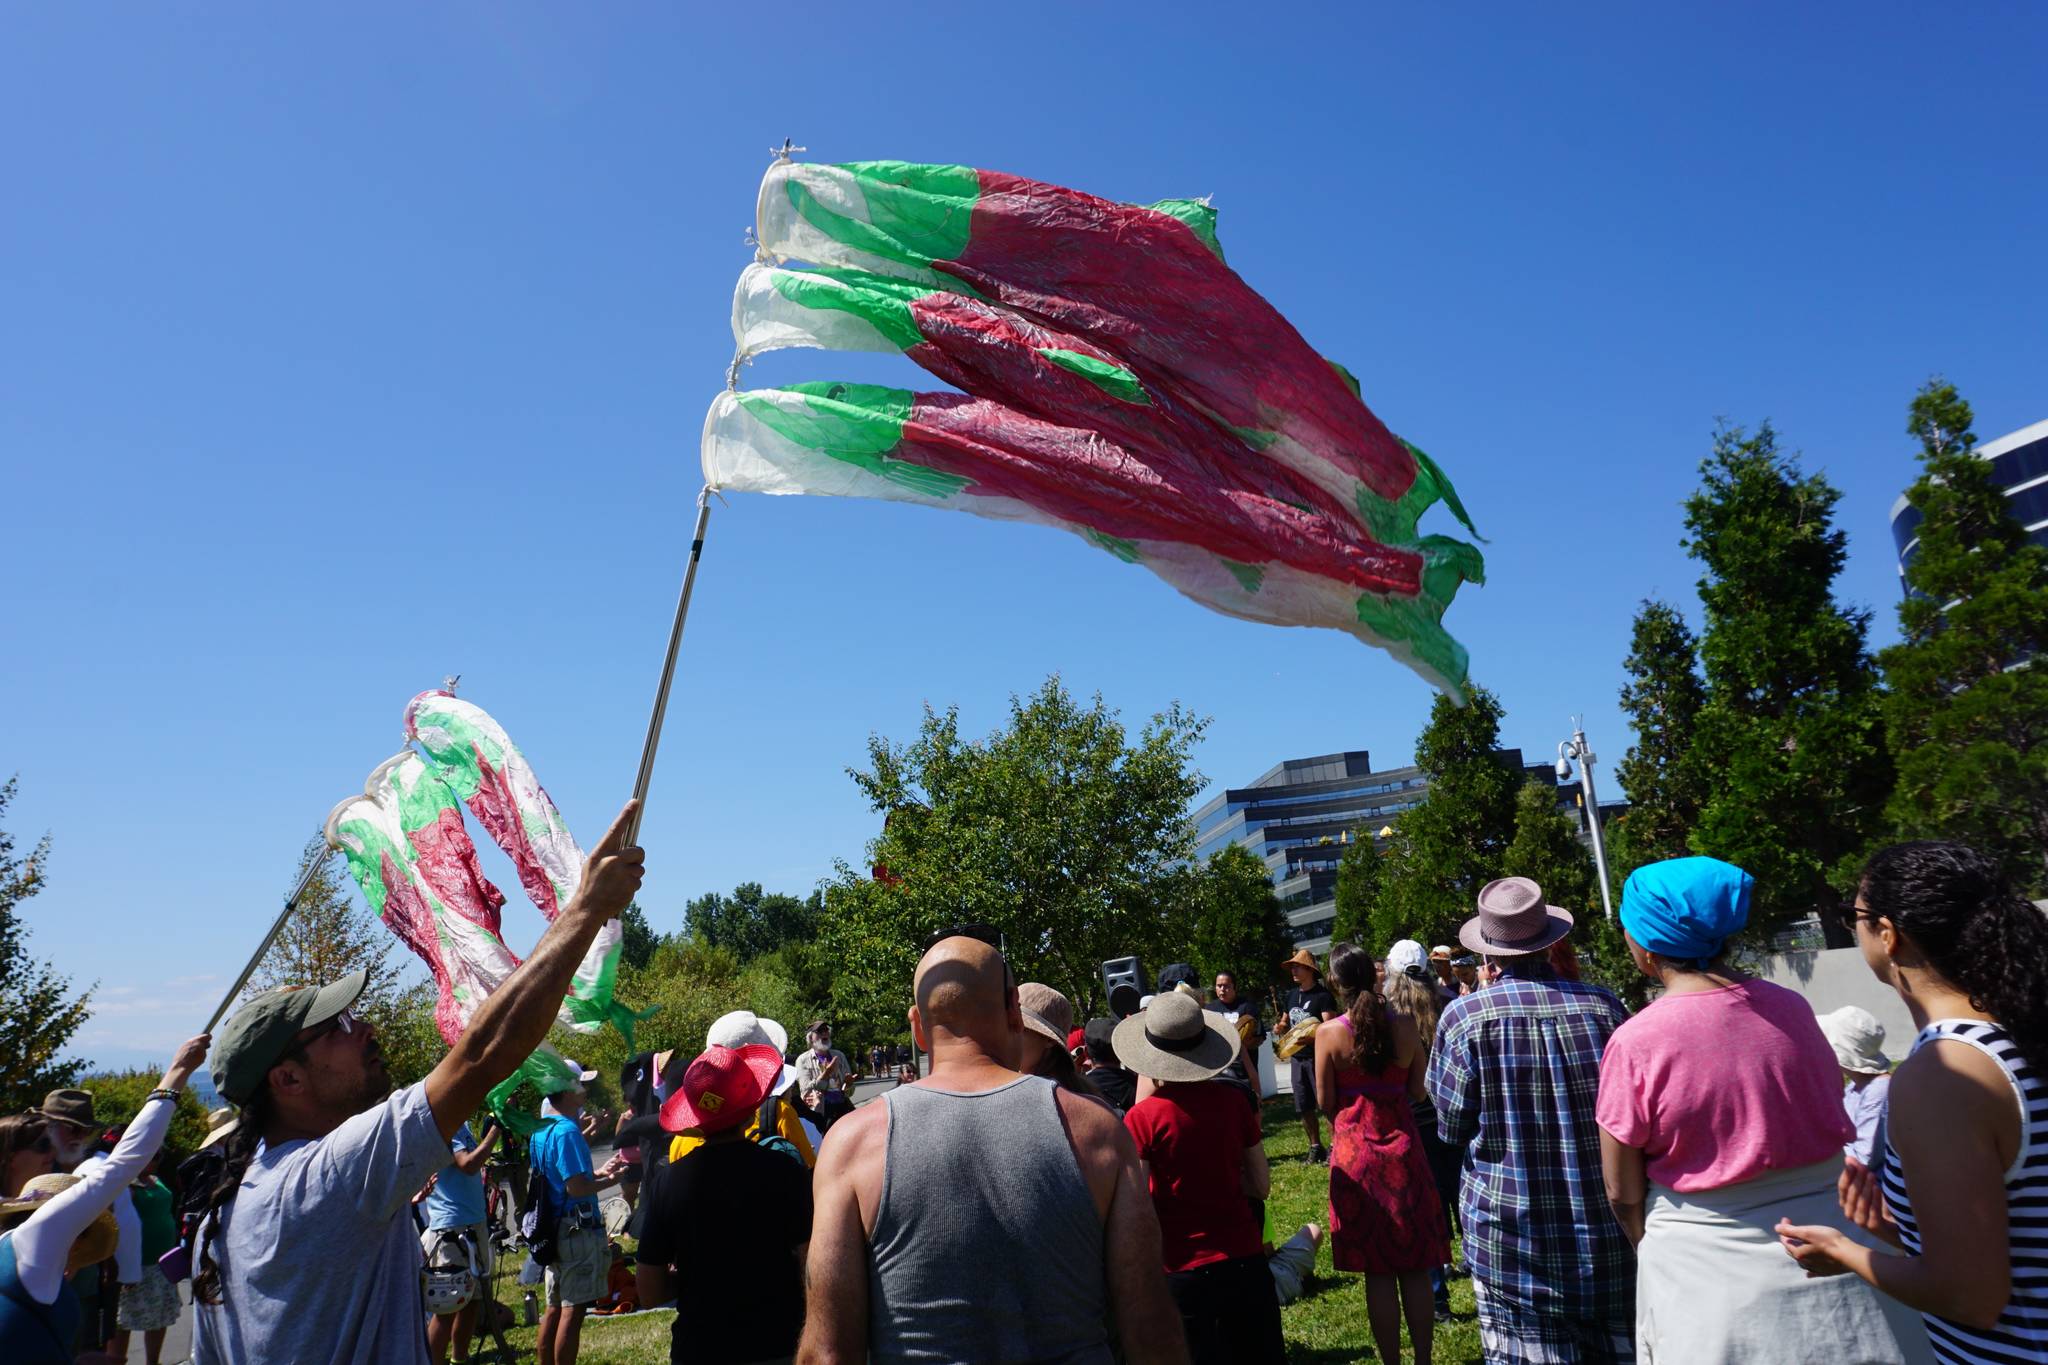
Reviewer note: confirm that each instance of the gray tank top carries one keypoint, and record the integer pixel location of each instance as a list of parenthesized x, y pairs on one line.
[(987, 1247)]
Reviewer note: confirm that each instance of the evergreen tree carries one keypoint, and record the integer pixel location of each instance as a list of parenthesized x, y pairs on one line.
[(1547, 850), (1967, 728), (637, 939), (38, 1013), (1452, 842), (1360, 874), (1234, 921), (328, 936), (1789, 749), (1663, 697)]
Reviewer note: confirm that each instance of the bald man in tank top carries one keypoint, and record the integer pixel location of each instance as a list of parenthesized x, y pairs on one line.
[(982, 1214)]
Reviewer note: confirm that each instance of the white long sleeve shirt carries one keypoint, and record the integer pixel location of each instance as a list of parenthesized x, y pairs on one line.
[(43, 1243)]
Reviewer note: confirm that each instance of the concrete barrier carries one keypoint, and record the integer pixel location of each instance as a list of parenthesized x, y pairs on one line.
[(1830, 978)]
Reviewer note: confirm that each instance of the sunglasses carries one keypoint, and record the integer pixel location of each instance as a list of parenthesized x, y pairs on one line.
[(345, 1022), (981, 933), (1847, 915)]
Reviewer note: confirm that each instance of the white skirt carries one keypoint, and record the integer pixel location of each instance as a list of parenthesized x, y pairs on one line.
[(1713, 1284)]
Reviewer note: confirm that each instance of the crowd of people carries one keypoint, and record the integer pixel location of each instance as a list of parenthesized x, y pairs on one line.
[(1720, 1176)]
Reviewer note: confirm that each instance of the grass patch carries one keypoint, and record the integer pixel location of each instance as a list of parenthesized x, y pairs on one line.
[(1326, 1325)]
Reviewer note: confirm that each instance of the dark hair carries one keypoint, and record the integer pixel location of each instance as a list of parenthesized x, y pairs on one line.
[(18, 1133), (1056, 1064), (1959, 908), (1225, 971), (1356, 977), (239, 1148)]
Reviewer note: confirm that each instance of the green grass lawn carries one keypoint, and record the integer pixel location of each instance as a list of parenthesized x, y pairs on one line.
[(1325, 1326)]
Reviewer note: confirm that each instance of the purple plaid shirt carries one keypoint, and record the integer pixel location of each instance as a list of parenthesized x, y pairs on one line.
[(1514, 1074)]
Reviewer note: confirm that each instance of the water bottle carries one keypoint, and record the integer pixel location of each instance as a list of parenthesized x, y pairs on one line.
[(529, 1309)]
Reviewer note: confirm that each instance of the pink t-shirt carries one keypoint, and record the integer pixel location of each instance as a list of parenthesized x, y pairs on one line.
[(1721, 1086)]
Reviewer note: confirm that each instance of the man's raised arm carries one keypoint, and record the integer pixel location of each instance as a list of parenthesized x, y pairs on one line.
[(514, 1019)]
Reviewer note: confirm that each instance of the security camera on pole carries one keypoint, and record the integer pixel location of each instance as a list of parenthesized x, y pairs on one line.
[(1576, 748)]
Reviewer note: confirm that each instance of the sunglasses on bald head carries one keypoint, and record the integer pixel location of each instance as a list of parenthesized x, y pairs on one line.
[(981, 933)]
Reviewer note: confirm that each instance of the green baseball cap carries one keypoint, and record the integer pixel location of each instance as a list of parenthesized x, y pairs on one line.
[(261, 1032)]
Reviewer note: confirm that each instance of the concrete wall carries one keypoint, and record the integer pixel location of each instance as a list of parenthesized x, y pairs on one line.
[(1833, 977)]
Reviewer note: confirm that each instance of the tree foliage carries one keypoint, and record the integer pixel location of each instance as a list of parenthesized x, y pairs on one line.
[(1056, 829), (329, 935), (1360, 878), (1663, 697), (1453, 841), (1967, 729), (637, 938), (1547, 850), (38, 1012), (751, 921), (1234, 921), (117, 1097), (1789, 748)]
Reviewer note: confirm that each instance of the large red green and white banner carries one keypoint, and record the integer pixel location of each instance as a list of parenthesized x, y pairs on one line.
[(1115, 378), (409, 851)]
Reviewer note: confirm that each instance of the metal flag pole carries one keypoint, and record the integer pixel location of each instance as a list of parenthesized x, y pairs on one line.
[(277, 927), (668, 665)]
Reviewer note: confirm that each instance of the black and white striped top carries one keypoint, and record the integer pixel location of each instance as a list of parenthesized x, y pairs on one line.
[(2022, 1331)]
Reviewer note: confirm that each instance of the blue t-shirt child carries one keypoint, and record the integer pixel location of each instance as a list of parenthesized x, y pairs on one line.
[(557, 1150)]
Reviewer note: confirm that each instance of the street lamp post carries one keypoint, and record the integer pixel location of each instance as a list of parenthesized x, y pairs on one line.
[(1567, 751)]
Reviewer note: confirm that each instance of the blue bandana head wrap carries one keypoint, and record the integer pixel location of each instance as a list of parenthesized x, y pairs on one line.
[(1686, 908)]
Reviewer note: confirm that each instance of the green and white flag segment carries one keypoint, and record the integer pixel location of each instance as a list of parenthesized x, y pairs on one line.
[(1115, 378), (409, 850)]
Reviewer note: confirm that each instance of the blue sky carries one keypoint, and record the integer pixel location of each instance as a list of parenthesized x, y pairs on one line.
[(348, 347)]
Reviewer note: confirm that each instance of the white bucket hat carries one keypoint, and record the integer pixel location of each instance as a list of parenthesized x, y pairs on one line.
[(1857, 1038), (744, 1027)]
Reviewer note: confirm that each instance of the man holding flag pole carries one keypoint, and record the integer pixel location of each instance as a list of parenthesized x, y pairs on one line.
[(306, 1250)]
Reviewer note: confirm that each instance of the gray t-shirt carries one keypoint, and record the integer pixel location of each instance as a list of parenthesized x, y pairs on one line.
[(319, 1260)]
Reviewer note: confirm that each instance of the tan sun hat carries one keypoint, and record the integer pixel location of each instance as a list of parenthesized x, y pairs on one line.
[(1175, 1039)]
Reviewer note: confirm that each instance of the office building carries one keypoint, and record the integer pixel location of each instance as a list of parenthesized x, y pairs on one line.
[(1300, 814), (2019, 465)]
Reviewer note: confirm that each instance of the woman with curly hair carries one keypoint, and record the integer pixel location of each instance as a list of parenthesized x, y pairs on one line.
[(1385, 1218), (1962, 1190)]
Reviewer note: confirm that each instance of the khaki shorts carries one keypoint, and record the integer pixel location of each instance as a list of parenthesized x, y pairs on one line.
[(582, 1262)]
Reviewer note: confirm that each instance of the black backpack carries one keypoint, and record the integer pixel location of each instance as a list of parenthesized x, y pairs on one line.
[(537, 1224)]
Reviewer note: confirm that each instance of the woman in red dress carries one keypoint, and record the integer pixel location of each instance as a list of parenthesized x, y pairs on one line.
[(1385, 1218)]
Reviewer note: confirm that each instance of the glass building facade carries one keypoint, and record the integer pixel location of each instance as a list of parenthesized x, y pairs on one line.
[(1299, 815), (2019, 464)]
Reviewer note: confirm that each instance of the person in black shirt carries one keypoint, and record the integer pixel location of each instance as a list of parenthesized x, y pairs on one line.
[(731, 1217), (1309, 999), (1243, 1016)]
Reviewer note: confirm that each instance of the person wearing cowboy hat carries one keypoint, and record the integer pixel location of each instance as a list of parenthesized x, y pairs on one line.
[(780, 1121), (1858, 1040), (734, 1210), (1513, 1076), (1202, 1152), (58, 1223), (1308, 1003)]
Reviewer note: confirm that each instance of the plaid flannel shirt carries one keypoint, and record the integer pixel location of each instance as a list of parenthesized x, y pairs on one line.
[(1514, 1074)]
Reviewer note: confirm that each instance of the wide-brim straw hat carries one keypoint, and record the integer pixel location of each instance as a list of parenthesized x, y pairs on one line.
[(93, 1244), (220, 1126), (1513, 920), (1175, 1039)]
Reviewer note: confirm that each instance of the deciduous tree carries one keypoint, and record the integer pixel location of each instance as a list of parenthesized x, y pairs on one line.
[(38, 1012)]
